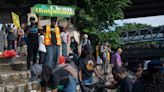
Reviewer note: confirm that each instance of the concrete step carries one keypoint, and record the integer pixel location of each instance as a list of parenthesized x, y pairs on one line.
[(19, 65), (7, 60), (24, 87), (14, 77)]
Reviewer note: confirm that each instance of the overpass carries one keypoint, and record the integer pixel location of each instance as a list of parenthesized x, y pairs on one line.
[(145, 44), (139, 8)]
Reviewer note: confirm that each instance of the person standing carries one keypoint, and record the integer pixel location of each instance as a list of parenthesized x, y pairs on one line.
[(74, 45), (42, 48), (63, 36), (32, 36), (116, 59), (52, 42), (85, 41), (20, 38), (4, 36), (98, 51), (10, 38)]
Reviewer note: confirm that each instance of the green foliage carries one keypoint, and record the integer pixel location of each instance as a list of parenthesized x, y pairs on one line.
[(132, 27), (112, 37)]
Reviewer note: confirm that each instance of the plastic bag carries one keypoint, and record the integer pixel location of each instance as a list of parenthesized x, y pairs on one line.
[(8, 54)]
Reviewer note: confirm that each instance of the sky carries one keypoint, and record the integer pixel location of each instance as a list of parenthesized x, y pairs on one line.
[(153, 20)]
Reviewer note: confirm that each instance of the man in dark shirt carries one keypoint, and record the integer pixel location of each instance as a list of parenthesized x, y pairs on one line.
[(124, 83), (32, 36)]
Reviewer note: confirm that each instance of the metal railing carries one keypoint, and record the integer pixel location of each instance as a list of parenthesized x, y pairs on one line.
[(145, 35)]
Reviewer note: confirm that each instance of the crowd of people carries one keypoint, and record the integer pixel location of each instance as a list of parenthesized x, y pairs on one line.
[(62, 72)]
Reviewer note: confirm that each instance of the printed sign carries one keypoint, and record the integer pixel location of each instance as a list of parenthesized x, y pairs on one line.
[(53, 10)]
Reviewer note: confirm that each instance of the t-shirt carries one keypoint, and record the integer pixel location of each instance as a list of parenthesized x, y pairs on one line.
[(84, 42), (33, 35), (63, 37), (86, 65), (33, 29), (138, 86), (125, 85), (74, 46), (59, 77), (116, 57), (42, 47)]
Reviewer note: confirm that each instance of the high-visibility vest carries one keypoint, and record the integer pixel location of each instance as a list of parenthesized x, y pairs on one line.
[(48, 37), (108, 54), (97, 50), (58, 42)]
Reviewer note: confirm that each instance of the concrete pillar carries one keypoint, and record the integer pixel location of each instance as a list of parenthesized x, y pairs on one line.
[(2, 89)]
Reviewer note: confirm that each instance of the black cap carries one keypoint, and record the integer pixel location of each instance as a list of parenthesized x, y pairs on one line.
[(53, 19), (32, 18)]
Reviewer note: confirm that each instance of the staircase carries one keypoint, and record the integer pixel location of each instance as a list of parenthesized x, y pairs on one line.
[(15, 78)]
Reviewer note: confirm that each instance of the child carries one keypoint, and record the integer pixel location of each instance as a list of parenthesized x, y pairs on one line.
[(23, 49), (42, 48)]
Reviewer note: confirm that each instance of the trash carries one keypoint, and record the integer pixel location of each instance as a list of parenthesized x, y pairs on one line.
[(8, 54)]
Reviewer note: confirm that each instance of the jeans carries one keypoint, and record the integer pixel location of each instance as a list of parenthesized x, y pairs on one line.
[(55, 55), (32, 53), (42, 57), (64, 49), (48, 55), (52, 55), (11, 44), (88, 81), (71, 85)]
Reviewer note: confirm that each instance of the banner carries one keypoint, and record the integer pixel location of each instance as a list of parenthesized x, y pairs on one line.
[(15, 18), (53, 10)]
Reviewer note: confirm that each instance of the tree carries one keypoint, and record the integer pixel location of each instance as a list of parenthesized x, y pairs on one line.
[(93, 16)]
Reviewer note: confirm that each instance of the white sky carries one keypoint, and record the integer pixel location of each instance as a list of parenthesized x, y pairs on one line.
[(153, 20)]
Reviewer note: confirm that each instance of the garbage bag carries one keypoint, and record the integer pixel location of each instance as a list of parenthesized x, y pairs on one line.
[(8, 54)]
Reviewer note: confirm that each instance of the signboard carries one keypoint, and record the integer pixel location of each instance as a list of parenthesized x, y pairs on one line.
[(15, 18), (53, 10)]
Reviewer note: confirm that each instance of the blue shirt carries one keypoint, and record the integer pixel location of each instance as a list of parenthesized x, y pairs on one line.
[(33, 30)]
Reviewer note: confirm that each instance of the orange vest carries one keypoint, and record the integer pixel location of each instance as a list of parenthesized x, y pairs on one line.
[(47, 38), (58, 42)]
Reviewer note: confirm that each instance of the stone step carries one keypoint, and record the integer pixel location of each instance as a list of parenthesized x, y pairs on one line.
[(13, 66), (24, 87), (7, 60), (16, 77)]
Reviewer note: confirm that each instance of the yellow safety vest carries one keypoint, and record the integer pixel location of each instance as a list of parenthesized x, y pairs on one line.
[(97, 50), (47, 38)]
